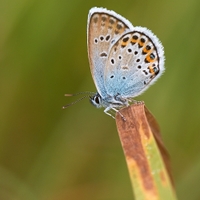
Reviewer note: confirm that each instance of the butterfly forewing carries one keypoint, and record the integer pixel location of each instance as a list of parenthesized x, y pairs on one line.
[(104, 29), (135, 61)]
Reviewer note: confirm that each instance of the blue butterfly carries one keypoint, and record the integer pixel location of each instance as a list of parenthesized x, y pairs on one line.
[(124, 60)]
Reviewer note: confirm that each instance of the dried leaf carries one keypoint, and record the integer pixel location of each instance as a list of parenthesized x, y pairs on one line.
[(140, 138)]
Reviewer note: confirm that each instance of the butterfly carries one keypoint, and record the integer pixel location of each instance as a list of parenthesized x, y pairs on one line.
[(124, 60)]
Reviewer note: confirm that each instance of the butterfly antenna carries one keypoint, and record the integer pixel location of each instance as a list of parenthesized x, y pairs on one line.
[(76, 94), (74, 102)]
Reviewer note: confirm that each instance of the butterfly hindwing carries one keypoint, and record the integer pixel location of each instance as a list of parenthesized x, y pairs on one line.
[(135, 61)]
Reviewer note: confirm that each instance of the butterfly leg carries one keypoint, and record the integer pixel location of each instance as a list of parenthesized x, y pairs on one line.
[(106, 111), (135, 101), (119, 113), (109, 108)]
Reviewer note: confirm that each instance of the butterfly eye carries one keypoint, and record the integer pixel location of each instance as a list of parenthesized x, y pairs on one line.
[(96, 99)]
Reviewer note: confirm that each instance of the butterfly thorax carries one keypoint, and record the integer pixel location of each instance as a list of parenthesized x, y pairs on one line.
[(109, 101)]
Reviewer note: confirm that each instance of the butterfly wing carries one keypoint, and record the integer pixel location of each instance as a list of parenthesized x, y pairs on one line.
[(103, 30), (135, 61)]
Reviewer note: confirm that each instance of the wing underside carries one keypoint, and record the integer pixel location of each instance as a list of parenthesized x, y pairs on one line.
[(104, 29)]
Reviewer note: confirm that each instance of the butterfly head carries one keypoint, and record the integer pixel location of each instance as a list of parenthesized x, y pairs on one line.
[(96, 100)]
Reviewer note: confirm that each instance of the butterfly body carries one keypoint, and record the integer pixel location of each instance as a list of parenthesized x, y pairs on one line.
[(124, 60)]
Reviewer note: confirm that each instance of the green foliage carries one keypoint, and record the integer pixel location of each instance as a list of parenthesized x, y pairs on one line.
[(50, 153)]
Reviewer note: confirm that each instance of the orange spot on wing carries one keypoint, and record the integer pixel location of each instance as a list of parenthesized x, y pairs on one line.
[(141, 43), (133, 40), (146, 50), (151, 70), (149, 59), (124, 43)]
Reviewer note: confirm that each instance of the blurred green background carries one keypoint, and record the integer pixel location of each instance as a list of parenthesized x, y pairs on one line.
[(47, 153)]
